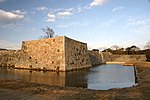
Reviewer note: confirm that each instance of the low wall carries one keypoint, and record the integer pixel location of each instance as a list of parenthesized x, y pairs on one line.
[(108, 57), (127, 58), (9, 58)]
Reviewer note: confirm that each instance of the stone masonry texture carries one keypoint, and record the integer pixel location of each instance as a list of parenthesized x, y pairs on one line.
[(76, 55), (59, 54), (95, 57), (45, 54)]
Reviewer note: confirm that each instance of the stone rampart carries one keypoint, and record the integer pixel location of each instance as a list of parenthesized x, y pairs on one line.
[(95, 57), (76, 55), (9, 58), (127, 58), (108, 57), (45, 54), (59, 54)]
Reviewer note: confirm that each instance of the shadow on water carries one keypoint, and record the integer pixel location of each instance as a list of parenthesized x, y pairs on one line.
[(102, 77)]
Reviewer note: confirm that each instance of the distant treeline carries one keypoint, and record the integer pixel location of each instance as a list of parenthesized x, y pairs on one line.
[(2, 49), (122, 52)]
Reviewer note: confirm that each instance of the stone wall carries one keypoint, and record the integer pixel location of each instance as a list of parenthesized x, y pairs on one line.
[(59, 54), (8, 58), (127, 58), (76, 55), (108, 57), (95, 57), (45, 54)]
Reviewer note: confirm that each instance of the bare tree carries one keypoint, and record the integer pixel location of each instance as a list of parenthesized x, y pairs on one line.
[(147, 46), (115, 47), (49, 33)]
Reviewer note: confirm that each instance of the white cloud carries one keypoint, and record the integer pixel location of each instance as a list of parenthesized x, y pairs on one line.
[(9, 45), (69, 9), (41, 8), (73, 24), (64, 13), (51, 17), (79, 9), (9, 16), (19, 12), (12, 20), (137, 21), (117, 8), (97, 2), (59, 13)]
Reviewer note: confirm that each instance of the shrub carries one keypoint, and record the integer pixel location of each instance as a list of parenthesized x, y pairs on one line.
[(148, 55)]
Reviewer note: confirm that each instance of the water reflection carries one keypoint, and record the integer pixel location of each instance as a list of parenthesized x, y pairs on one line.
[(110, 76), (99, 78)]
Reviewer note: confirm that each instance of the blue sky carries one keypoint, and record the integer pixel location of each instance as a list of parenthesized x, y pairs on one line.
[(100, 23)]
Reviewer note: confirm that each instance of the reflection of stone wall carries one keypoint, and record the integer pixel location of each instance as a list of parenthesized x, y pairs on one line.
[(72, 78), (51, 78)]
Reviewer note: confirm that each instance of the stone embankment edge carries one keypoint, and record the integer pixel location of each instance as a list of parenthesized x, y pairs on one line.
[(115, 63)]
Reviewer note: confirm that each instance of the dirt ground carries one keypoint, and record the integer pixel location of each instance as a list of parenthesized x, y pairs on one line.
[(21, 90)]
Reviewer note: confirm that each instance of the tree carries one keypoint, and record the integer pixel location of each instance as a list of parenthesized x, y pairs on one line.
[(115, 47), (128, 49), (132, 50), (49, 33), (148, 55), (121, 51), (107, 50), (147, 46)]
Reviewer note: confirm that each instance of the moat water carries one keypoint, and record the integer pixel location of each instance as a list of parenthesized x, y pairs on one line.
[(102, 77)]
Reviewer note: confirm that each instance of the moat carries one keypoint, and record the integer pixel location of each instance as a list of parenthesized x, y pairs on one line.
[(101, 77)]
